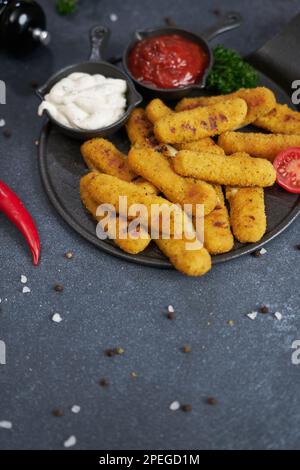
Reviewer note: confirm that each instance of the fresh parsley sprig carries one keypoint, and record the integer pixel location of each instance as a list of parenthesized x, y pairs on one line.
[(230, 72)]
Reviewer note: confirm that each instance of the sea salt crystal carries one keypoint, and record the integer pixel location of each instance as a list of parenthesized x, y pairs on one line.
[(175, 405), (23, 279), (5, 424), (171, 309), (26, 290), (56, 318), (70, 442), (252, 315), (2, 122), (75, 409), (263, 251), (278, 315), (113, 17)]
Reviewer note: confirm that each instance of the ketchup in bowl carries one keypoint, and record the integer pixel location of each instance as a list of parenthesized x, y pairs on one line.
[(167, 61)]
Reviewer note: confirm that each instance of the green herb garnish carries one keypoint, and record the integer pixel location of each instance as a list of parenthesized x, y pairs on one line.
[(64, 7), (230, 72)]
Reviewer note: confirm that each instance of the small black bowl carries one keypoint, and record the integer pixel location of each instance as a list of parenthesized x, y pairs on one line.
[(99, 36), (227, 22)]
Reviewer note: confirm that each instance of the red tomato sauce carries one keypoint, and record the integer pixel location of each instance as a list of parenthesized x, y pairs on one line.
[(167, 61)]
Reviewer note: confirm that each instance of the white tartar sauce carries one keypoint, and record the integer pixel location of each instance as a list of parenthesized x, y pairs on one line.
[(87, 102)]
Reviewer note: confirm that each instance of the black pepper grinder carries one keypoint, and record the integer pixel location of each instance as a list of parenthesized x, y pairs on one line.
[(22, 25)]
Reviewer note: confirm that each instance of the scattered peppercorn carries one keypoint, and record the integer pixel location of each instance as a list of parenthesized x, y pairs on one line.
[(186, 349), (211, 401), (264, 309), (34, 84), (186, 408), (104, 383), (57, 413), (58, 288), (257, 254), (171, 316), (216, 11), (110, 352), (114, 352), (69, 255), (7, 133)]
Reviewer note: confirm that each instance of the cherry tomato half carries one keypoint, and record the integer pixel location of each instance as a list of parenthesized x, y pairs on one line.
[(287, 166)]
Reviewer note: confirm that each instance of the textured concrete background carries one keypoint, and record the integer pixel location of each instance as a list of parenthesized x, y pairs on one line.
[(108, 303)]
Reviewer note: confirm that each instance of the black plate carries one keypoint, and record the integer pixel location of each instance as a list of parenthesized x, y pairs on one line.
[(61, 168)]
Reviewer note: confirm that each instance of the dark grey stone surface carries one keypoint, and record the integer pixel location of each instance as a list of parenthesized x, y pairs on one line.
[(108, 302)]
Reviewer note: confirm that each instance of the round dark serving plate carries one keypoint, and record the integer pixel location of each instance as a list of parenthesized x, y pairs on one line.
[(62, 166)]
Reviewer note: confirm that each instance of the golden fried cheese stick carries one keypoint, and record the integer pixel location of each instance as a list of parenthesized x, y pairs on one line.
[(260, 101), (101, 155), (202, 145), (192, 125), (156, 168), (281, 120), (146, 186), (191, 262), (194, 262), (247, 213), (129, 245), (238, 169), (108, 189), (140, 129), (217, 234), (257, 145), (157, 109)]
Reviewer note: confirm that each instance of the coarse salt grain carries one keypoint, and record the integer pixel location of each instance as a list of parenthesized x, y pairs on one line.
[(6, 424), (113, 17), (2, 122), (278, 315), (175, 405), (26, 290), (75, 409), (23, 279), (171, 309), (57, 318), (252, 315), (263, 251), (70, 442)]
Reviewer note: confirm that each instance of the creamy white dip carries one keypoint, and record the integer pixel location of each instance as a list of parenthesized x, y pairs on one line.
[(83, 101)]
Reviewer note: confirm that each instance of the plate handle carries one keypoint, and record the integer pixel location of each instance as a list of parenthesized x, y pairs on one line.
[(227, 22)]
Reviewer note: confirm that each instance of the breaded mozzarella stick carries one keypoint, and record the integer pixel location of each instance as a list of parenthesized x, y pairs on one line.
[(155, 167), (257, 145), (189, 126), (101, 155), (260, 101), (217, 234), (238, 169), (247, 213)]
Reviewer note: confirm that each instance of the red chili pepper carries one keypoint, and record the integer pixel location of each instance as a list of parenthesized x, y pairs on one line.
[(13, 208)]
